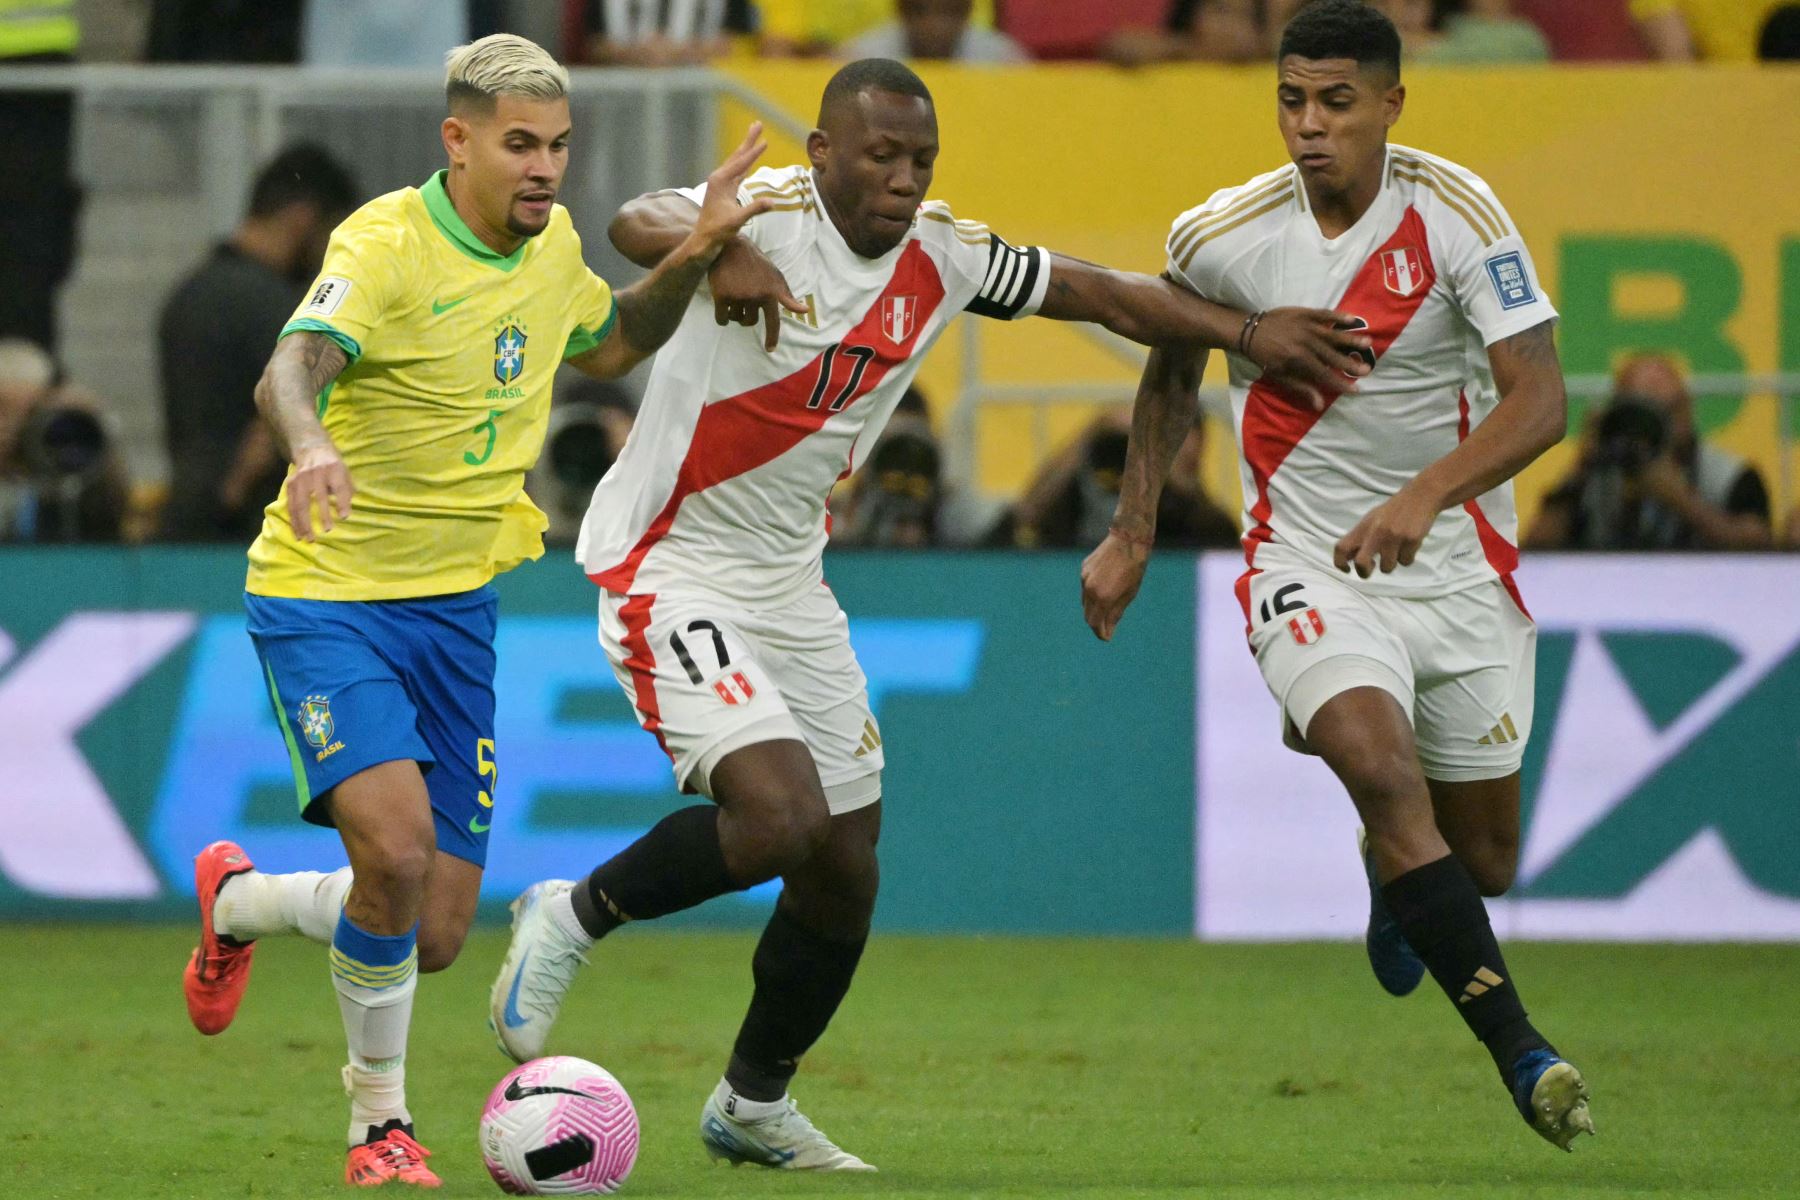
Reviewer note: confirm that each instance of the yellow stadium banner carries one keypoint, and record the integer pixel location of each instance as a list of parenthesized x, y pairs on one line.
[(1662, 206)]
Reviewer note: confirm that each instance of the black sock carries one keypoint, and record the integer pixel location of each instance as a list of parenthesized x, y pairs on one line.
[(1440, 912), (801, 978), (677, 865)]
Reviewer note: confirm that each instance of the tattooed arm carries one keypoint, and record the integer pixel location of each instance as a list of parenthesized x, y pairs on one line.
[(650, 309), (1531, 417), (1168, 400), (304, 365)]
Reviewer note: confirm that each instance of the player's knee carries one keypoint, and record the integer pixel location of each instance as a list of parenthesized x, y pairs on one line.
[(438, 947), (397, 868), (1493, 864), (1386, 784), (796, 833)]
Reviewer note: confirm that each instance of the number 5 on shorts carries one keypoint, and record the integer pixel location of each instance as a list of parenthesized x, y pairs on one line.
[(488, 769)]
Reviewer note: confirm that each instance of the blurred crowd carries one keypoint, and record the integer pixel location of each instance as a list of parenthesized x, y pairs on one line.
[(1130, 32), (1643, 477)]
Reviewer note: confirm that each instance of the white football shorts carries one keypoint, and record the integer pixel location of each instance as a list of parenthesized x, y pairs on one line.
[(708, 676), (1462, 666)]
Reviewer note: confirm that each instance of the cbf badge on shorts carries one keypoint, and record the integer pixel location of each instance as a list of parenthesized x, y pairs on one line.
[(317, 726), (1308, 627)]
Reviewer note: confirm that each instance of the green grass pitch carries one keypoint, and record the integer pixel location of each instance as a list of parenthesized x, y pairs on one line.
[(962, 1067)]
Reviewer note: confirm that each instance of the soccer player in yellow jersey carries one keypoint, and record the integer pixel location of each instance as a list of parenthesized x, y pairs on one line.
[(412, 391)]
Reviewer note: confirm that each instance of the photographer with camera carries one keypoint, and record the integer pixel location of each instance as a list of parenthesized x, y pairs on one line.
[(1645, 480), (60, 477), (1071, 501)]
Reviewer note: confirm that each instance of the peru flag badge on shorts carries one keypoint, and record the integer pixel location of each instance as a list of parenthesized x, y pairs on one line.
[(897, 313), (1403, 270), (1308, 627)]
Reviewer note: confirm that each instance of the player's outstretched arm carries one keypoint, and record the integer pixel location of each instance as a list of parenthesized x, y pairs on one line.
[(1531, 417), (746, 286), (1167, 401), (287, 395), (651, 309), (1301, 348)]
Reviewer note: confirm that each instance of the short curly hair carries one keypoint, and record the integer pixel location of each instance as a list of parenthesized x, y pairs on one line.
[(1342, 29)]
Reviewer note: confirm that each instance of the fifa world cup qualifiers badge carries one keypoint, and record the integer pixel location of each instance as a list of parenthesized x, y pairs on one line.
[(317, 728)]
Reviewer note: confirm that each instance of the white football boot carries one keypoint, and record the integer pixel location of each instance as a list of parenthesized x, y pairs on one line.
[(768, 1134), (540, 964)]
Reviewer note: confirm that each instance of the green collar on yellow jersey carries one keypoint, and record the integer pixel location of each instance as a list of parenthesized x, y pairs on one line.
[(444, 216)]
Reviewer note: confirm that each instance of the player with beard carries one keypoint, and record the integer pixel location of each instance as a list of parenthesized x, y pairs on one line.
[(415, 378)]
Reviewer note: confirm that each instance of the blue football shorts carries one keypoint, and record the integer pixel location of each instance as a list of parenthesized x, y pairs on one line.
[(359, 683)]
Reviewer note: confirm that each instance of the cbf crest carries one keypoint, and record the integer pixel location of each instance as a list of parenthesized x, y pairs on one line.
[(315, 720), (509, 353), (317, 727)]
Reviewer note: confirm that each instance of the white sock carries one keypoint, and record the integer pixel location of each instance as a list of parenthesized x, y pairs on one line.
[(561, 909), (744, 1109), (253, 905), (375, 999)]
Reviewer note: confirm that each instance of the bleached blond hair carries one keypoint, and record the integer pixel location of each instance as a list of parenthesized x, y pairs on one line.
[(503, 64)]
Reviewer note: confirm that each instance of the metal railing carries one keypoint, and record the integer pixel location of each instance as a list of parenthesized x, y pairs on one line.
[(976, 394)]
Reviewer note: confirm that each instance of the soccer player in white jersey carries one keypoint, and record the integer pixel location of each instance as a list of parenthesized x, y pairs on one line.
[(706, 538), (1379, 526)]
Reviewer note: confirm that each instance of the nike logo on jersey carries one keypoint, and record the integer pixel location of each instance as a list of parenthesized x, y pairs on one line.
[(440, 307)]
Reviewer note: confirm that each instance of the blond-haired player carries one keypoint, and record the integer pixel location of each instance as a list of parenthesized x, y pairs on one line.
[(411, 390)]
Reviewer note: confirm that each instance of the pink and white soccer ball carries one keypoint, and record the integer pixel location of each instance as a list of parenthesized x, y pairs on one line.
[(559, 1127)]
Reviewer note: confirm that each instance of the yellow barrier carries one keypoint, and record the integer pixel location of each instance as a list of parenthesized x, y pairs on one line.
[(1662, 206)]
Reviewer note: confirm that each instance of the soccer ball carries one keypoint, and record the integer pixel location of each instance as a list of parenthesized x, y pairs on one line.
[(559, 1127)]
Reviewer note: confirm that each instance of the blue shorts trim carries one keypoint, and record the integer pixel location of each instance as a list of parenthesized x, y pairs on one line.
[(358, 683)]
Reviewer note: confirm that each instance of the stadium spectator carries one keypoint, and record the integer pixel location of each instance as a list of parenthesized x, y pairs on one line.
[(39, 198), (1195, 30), (1646, 481), (811, 28), (1780, 41), (214, 336), (224, 31), (382, 33), (660, 33), (1072, 500), (61, 478), (935, 29), (894, 500), (1482, 31), (1713, 30), (1596, 30)]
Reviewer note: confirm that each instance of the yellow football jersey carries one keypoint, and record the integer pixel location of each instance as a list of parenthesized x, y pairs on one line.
[(444, 405)]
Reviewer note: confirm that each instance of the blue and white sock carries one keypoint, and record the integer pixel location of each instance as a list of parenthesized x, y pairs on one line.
[(375, 977)]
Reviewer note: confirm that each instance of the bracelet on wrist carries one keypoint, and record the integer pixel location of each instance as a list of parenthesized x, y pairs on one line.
[(1248, 333)]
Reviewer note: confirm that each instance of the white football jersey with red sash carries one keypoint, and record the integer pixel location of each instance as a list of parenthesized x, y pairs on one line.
[(722, 485), (1437, 272)]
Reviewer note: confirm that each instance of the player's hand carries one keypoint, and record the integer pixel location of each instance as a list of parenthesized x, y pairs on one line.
[(747, 287), (1312, 352), (319, 476), (1110, 578), (721, 213), (1387, 538)]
